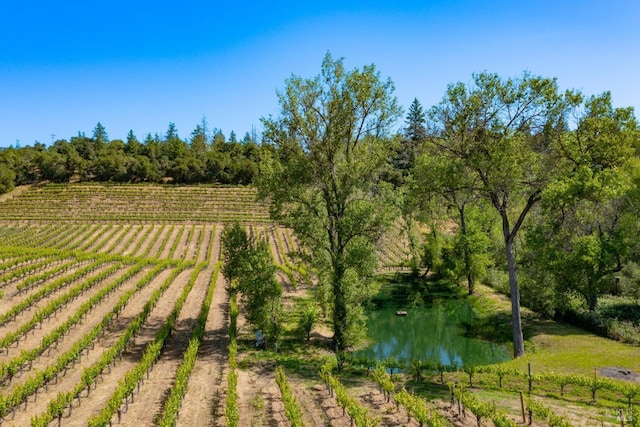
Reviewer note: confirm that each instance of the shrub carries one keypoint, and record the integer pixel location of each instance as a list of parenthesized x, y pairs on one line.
[(308, 319)]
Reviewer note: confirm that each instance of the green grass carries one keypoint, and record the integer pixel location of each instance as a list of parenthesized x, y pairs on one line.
[(564, 348), (558, 346)]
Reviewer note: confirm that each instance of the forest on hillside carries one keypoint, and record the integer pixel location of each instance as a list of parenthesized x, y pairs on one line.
[(205, 157)]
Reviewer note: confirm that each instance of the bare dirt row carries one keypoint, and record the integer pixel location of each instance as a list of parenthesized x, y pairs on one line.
[(260, 401)]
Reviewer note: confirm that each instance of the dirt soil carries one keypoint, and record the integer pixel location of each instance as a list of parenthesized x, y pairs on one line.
[(259, 398), (204, 402)]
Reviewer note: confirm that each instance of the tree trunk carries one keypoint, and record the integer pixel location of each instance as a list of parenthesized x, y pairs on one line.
[(339, 309), (592, 298), (467, 254), (516, 321)]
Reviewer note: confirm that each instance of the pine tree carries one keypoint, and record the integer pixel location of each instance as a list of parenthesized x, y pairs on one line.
[(100, 136), (133, 145), (199, 139), (413, 136), (416, 130)]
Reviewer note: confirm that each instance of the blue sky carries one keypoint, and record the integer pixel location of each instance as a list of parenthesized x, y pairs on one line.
[(66, 65)]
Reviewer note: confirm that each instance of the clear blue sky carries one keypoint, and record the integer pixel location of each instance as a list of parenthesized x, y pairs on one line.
[(66, 65)]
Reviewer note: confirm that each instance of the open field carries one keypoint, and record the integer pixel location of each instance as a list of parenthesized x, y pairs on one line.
[(108, 290)]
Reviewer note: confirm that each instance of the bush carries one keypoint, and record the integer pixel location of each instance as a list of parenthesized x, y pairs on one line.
[(7, 178), (616, 318), (308, 319), (498, 280), (624, 331)]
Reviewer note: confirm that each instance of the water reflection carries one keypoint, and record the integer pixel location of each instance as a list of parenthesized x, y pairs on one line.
[(432, 333)]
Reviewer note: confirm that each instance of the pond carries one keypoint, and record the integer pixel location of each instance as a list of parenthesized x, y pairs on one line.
[(429, 333)]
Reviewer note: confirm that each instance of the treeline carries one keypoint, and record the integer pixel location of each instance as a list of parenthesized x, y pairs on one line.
[(534, 192), (205, 157), (521, 185)]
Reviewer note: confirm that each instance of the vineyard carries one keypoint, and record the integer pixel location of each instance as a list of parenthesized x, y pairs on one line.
[(113, 311), (135, 203)]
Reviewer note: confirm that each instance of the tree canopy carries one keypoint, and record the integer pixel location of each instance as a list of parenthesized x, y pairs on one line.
[(511, 144), (205, 158), (331, 142)]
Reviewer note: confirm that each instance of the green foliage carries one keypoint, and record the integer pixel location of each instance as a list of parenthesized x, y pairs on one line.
[(617, 318), (99, 159), (508, 142), (249, 268), (323, 181), (308, 319), (357, 413), (579, 242), (630, 280), (291, 407), (236, 244), (435, 250), (498, 158), (418, 367), (411, 140), (539, 410), (384, 380), (231, 413), (481, 409), (7, 179), (419, 410)]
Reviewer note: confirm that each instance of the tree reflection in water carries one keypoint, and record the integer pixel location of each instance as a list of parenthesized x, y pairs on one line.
[(429, 333)]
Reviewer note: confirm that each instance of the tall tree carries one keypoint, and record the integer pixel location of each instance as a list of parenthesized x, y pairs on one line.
[(199, 143), (416, 121), (331, 142), (172, 132), (173, 147), (411, 139), (218, 139), (444, 181), (100, 136), (133, 146), (489, 129)]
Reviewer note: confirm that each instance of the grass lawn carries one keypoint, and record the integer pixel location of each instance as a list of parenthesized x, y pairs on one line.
[(560, 347)]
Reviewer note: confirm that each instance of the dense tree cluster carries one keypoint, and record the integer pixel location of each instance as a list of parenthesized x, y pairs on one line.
[(206, 157), (514, 178), (555, 178)]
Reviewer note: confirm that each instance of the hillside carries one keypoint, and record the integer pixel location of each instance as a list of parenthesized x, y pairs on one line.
[(135, 269), (108, 202)]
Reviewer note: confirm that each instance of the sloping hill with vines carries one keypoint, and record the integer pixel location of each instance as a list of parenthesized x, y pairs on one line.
[(112, 305), (110, 202)]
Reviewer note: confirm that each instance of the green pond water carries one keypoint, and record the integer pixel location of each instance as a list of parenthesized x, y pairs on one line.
[(429, 333)]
